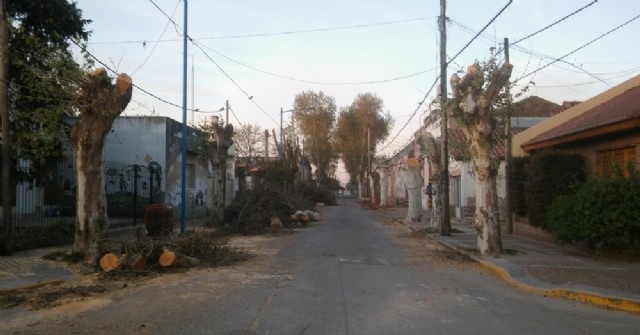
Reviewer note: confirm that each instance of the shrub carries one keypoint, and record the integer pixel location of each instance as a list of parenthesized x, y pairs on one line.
[(604, 213), (518, 177), (550, 174)]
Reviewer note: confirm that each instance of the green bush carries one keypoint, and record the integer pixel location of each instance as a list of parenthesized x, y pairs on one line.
[(604, 213), (518, 177), (550, 174)]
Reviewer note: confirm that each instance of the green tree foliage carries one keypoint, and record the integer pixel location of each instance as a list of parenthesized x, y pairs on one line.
[(43, 77), (316, 118), (550, 174), (604, 213), (365, 112)]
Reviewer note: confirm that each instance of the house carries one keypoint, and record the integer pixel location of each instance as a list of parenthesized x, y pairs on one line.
[(527, 113), (604, 129), (143, 161)]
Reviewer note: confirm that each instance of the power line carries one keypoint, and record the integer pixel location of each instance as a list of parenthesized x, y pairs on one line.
[(250, 97), (552, 24), (155, 45), (580, 48), (480, 32), (413, 114), (531, 52), (319, 82), (134, 85), (276, 33)]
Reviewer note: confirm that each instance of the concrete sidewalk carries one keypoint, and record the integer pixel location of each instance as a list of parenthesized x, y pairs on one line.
[(547, 269)]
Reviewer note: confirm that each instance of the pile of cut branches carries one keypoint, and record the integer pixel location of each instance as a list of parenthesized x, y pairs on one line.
[(193, 248)]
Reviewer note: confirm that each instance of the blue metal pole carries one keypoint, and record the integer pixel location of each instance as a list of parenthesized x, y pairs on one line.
[(183, 200)]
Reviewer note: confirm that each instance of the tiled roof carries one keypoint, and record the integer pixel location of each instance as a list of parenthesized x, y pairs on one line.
[(535, 106), (623, 107)]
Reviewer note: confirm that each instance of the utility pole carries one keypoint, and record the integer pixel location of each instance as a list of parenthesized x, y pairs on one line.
[(193, 99), (226, 117), (183, 197), (4, 110), (507, 151), (266, 146), (445, 226)]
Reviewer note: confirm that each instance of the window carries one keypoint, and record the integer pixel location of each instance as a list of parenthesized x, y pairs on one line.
[(610, 161)]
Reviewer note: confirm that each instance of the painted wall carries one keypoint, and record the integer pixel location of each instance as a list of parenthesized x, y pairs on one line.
[(157, 142)]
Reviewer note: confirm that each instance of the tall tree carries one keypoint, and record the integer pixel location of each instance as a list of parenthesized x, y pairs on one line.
[(363, 121), (475, 100), (316, 118), (249, 140), (43, 76), (99, 103)]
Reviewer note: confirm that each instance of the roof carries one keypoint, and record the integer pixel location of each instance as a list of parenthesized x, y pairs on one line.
[(528, 136), (535, 106), (608, 116)]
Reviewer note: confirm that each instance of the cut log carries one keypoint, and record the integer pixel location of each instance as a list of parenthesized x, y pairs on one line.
[(109, 262), (138, 263), (172, 258), (167, 258)]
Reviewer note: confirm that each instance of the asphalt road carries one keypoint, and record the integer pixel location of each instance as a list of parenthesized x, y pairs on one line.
[(352, 273)]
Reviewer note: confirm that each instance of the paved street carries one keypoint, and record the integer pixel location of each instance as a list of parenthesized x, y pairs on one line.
[(352, 273)]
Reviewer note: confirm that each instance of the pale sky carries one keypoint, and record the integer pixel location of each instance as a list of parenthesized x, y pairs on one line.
[(275, 49)]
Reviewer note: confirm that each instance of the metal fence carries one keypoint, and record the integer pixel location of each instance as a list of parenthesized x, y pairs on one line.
[(44, 211)]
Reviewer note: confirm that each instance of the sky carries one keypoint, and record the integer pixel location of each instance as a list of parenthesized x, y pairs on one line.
[(259, 54)]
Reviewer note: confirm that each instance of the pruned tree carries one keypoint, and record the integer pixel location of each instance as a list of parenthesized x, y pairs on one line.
[(474, 105), (363, 121), (99, 103), (413, 183), (430, 148), (316, 119), (220, 139)]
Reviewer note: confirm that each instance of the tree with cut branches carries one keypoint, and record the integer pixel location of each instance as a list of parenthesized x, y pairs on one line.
[(476, 100), (99, 103)]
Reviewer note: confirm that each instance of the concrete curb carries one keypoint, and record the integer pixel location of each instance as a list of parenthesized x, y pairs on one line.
[(609, 302)]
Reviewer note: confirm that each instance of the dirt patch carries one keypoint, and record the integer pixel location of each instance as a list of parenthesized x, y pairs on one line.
[(92, 286)]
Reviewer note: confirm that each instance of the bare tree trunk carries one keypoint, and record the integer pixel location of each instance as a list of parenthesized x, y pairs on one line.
[(413, 183), (360, 187), (384, 187), (430, 148), (100, 103), (486, 218), (375, 188)]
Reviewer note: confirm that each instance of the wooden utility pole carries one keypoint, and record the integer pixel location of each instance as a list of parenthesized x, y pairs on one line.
[(4, 110), (507, 150), (445, 226)]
